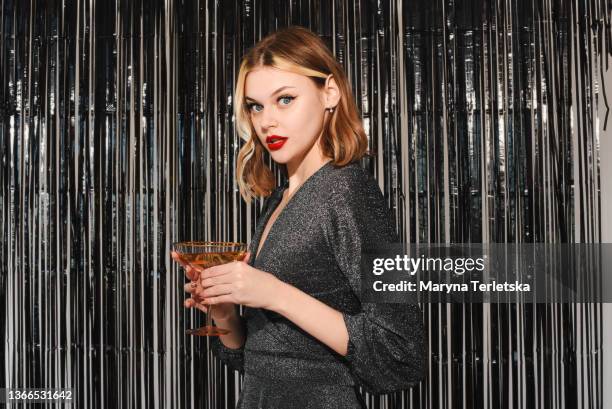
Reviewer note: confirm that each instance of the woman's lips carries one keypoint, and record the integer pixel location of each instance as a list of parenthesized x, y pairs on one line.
[(275, 142)]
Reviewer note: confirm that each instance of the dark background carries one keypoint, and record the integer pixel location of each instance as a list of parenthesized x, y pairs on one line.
[(117, 139)]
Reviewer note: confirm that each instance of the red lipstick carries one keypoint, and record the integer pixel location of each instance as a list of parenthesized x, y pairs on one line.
[(275, 142)]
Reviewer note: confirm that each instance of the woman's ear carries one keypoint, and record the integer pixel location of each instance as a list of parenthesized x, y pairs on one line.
[(332, 92)]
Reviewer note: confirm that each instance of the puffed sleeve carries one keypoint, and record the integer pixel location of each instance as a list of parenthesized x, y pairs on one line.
[(386, 345), (233, 358)]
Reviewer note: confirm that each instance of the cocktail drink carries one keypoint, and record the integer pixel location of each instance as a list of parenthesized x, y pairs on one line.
[(206, 254)]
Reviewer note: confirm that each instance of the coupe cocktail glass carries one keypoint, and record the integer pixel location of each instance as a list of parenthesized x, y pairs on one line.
[(207, 254)]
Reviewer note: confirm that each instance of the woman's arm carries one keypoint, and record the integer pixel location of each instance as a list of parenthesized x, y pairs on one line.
[(236, 337), (239, 283), (313, 316)]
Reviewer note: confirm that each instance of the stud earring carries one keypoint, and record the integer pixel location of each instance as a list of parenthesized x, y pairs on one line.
[(330, 109)]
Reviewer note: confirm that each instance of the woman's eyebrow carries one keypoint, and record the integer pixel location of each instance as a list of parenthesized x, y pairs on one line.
[(274, 93)]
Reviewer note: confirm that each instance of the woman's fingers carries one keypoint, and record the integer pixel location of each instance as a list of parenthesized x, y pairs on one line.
[(222, 269), (190, 303), (210, 281), (220, 289), (191, 273), (190, 287), (220, 299), (218, 281), (201, 307), (176, 257)]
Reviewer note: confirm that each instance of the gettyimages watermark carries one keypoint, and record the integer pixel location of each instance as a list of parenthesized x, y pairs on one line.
[(492, 273)]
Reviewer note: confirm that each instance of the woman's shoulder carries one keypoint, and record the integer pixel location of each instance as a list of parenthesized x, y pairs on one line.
[(351, 178), (355, 199)]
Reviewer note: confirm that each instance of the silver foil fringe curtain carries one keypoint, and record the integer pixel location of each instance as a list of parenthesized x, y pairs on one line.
[(117, 139)]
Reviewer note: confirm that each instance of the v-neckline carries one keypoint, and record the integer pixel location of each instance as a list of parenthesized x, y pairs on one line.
[(271, 211)]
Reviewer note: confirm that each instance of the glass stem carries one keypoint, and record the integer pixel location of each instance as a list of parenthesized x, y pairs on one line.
[(209, 322)]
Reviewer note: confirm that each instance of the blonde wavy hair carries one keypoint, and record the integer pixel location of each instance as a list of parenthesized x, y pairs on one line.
[(298, 50)]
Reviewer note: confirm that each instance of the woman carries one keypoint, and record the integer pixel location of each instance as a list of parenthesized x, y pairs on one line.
[(305, 339)]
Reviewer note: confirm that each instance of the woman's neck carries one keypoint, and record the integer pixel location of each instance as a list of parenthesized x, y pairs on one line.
[(300, 172)]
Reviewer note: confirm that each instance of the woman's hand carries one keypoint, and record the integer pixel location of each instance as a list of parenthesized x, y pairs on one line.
[(238, 283), (221, 312)]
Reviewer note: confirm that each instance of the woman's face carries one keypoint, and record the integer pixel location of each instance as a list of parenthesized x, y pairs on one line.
[(287, 111)]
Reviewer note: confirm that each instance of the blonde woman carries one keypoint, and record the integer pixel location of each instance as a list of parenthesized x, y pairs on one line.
[(305, 340)]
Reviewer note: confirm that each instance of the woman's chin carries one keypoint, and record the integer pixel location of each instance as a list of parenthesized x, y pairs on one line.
[(280, 157)]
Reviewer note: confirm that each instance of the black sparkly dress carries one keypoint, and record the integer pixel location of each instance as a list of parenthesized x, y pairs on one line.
[(315, 245)]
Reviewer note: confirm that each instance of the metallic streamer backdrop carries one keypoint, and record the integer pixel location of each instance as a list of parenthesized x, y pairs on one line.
[(117, 139)]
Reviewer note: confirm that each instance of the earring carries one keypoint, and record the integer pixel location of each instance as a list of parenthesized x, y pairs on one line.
[(330, 109)]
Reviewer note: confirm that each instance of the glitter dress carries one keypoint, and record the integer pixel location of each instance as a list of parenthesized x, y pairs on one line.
[(315, 245)]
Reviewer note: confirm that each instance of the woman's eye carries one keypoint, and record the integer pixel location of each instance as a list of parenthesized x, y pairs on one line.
[(284, 100), (251, 106)]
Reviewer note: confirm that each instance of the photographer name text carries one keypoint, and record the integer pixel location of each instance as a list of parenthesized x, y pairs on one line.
[(473, 285)]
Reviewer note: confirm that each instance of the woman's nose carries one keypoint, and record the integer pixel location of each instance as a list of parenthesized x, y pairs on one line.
[(268, 118)]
